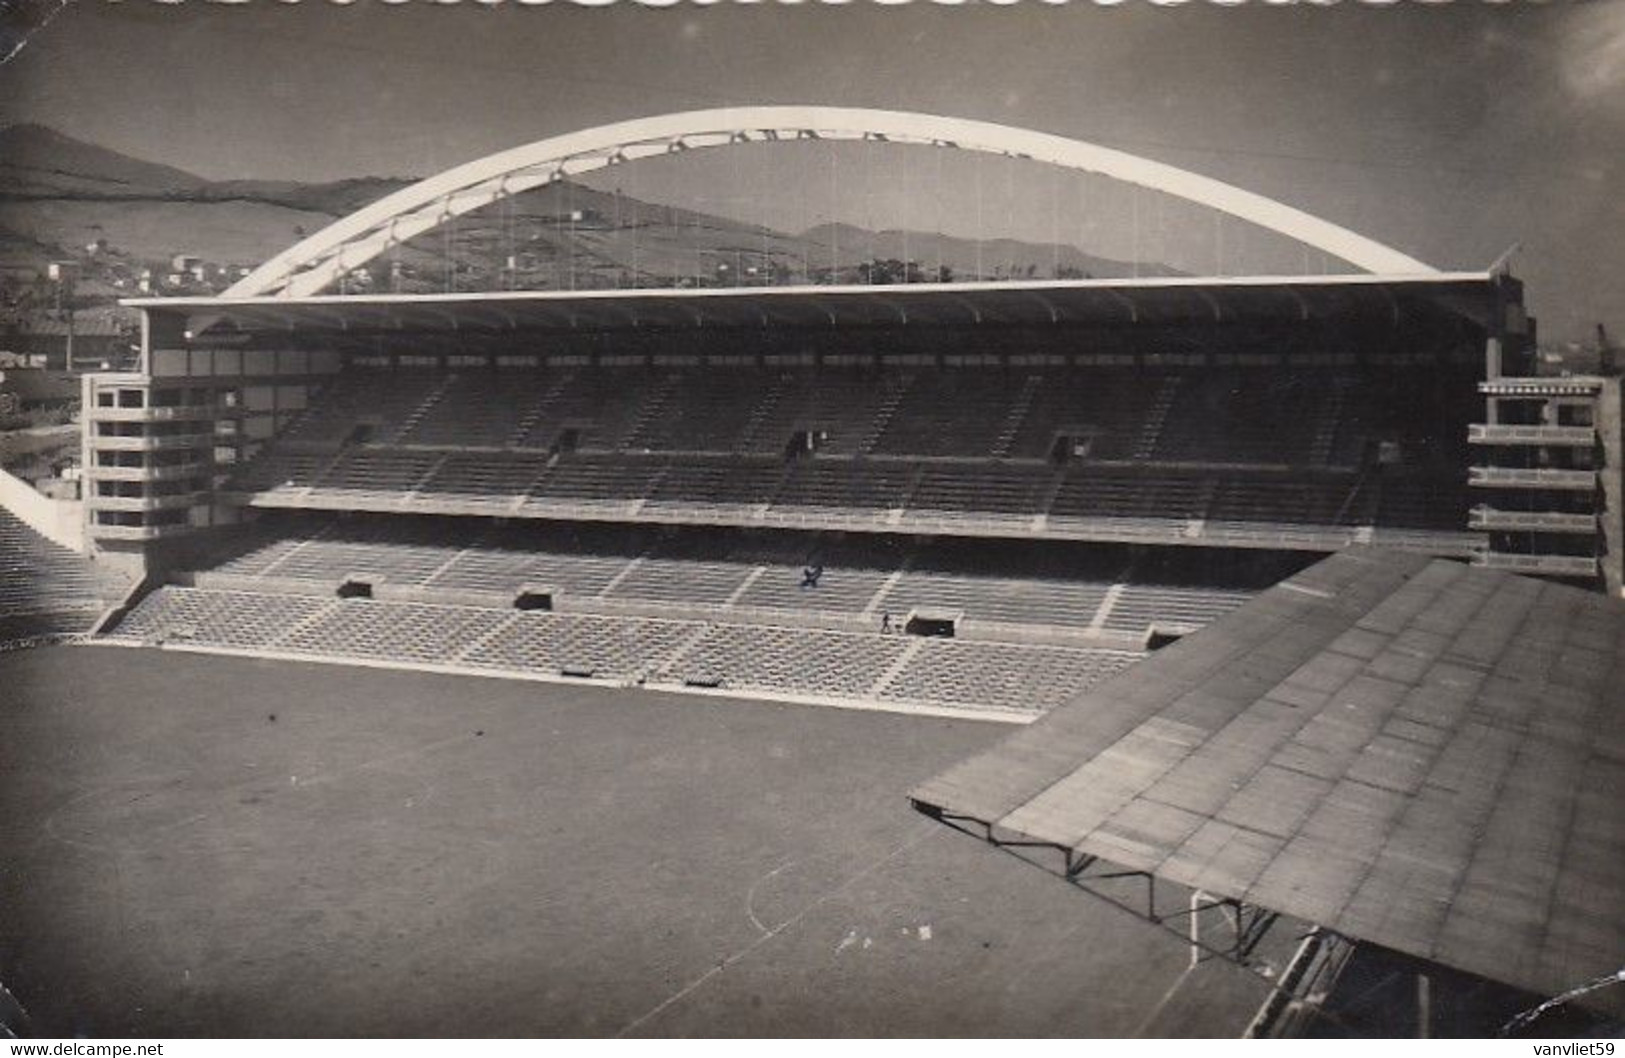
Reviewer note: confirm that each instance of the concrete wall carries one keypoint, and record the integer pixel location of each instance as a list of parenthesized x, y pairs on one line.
[(1611, 427), (62, 521)]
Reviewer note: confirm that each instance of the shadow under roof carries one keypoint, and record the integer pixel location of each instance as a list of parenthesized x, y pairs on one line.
[(1414, 753)]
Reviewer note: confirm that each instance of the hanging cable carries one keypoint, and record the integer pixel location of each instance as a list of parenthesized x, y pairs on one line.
[(1054, 222), (940, 150), (1010, 211), (902, 181), (834, 225), (869, 206), (632, 182), (1134, 222), (979, 224)]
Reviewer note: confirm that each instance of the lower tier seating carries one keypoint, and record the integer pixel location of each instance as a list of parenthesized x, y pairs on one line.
[(48, 591), (941, 671), (800, 663), (715, 573)]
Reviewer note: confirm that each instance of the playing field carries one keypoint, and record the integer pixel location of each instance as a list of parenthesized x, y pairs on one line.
[(201, 845)]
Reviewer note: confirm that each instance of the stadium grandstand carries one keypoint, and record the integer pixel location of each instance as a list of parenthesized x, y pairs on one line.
[(1070, 504), (1029, 483)]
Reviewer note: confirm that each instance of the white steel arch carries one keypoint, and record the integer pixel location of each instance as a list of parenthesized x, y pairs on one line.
[(315, 262)]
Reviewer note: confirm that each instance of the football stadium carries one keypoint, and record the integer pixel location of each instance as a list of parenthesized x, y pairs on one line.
[(1164, 654)]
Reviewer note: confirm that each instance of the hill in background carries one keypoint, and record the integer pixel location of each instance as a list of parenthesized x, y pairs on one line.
[(122, 218)]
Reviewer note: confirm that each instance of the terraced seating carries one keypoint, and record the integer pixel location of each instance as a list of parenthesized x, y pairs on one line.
[(844, 406), (841, 589), (787, 660), (329, 560), (1423, 501), (486, 479), (861, 488), (605, 647), (671, 580), (702, 411), (393, 631), (211, 617), (999, 675), (1289, 500), (716, 483), (1109, 406), (38, 575), (501, 571), (1242, 417), (378, 472), (761, 658), (950, 413), (31, 629), (280, 470), (1140, 606), (588, 480), (1095, 493), (47, 590), (1007, 493), (383, 400), (480, 409), (258, 549), (601, 406), (1063, 603)]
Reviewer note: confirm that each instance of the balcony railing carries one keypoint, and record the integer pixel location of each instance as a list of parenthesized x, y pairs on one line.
[(141, 503), (171, 413), (1551, 565), (1538, 478), (1501, 434), (1488, 518), (1540, 387), (136, 532), (169, 472), (113, 443)]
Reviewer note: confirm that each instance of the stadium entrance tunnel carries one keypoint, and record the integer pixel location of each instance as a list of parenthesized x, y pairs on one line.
[(1071, 445), (804, 443), (937, 623), (533, 599), (355, 588)]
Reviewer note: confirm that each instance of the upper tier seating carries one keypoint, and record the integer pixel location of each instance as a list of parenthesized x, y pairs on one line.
[(949, 413), (1239, 418), (1226, 454), (1110, 414), (382, 402)]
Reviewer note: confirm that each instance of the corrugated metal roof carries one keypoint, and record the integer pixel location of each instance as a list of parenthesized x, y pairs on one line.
[(1418, 754), (1167, 300)]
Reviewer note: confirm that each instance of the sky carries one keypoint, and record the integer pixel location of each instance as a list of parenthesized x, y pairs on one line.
[(1451, 132)]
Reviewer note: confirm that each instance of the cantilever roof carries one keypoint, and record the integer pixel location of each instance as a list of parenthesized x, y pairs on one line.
[(1093, 301), (1419, 754)]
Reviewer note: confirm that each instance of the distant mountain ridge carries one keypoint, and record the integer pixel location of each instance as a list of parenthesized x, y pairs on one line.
[(60, 195)]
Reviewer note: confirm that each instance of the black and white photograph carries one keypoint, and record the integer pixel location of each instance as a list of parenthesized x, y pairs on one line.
[(761, 521)]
